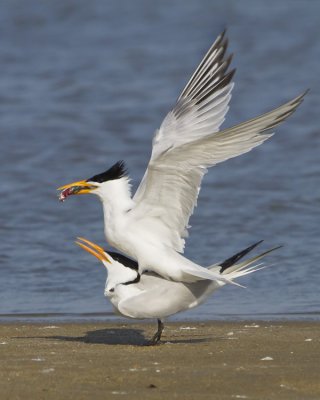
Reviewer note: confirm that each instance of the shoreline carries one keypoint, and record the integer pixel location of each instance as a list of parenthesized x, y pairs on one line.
[(223, 360), (112, 318)]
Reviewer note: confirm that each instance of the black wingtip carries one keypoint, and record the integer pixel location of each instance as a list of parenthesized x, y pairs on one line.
[(299, 99), (305, 92), (235, 258), (220, 85), (223, 32)]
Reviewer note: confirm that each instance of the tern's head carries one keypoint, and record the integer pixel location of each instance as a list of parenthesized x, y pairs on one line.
[(99, 184), (121, 270)]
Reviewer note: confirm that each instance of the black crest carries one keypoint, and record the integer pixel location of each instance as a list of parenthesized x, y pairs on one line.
[(127, 262), (117, 171)]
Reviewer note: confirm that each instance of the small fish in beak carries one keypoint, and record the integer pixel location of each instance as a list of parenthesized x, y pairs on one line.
[(68, 192), (81, 187)]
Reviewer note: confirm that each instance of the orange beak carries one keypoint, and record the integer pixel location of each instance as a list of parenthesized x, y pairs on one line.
[(80, 187), (94, 249), (83, 184)]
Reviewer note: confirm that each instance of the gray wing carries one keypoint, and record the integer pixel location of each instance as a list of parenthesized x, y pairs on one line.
[(160, 297), (201, 106), (173, 180), (188, 142)]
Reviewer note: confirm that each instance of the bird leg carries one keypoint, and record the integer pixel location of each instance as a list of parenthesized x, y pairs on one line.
[(157, 335)]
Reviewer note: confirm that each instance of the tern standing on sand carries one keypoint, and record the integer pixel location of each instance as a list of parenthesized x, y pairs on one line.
[(151, 226), (151, 296)]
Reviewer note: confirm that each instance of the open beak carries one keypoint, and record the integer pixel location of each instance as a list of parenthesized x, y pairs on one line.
[(93, 249), (80, 187)]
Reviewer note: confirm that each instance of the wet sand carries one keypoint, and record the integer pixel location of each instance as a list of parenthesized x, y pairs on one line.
[(212, 360)]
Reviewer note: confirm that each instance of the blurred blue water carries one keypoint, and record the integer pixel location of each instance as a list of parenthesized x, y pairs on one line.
[(84, 84)]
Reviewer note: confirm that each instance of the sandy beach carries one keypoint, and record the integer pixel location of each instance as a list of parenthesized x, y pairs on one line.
[(212, 360)]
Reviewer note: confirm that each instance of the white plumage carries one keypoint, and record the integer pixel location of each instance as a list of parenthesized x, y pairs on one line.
[(151, 227), (151, 296)]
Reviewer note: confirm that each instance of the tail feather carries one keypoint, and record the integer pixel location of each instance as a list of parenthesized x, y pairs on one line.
[(239, 267), (234, 259), (229, 262), (230, 270)]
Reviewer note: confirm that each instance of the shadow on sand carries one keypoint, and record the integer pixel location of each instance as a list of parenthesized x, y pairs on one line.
[(123, 336)]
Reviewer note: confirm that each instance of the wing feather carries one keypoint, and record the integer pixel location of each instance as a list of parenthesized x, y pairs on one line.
[(188, 142), (174, 178), (210, 63), (202, 104)]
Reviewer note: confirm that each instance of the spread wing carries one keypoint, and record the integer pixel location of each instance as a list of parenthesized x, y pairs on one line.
[(188, 142), (201, 107), (203, 103)]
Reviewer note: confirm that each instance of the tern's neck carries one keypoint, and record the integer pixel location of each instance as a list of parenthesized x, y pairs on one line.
[(116, 199)]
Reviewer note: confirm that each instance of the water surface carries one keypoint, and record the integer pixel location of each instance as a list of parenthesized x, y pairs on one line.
[(84, 84)]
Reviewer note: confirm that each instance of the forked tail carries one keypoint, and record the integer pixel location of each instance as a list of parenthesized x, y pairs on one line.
[(231, 269)]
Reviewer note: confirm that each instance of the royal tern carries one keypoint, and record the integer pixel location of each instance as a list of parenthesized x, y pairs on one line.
[(148, 295), (151, 227)]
